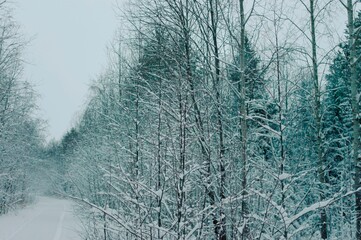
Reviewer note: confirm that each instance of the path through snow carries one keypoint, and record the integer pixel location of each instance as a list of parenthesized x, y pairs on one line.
[(47, 219)]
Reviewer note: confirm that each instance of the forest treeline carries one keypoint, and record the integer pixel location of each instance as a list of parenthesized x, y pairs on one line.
[(222, 120), (21, 139), (213, 120)]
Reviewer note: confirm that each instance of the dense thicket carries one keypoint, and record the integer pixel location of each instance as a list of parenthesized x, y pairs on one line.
[(205, 127), (20, 139)]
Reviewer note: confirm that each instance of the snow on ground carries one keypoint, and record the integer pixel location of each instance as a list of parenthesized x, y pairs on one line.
[(47, 219)]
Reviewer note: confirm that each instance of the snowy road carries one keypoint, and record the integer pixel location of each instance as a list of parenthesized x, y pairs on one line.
[(47, 219)]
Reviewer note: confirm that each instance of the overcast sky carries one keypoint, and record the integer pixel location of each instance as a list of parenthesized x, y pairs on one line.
[(68, 50)]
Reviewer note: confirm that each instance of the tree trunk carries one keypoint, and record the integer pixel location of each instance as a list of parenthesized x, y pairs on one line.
[(243, 122), (221, 228), (281, 129), (317, 113)]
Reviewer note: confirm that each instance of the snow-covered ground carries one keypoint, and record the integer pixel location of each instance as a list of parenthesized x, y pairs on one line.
[(47, 219)]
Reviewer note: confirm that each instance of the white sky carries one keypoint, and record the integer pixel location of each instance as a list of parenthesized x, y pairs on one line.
[(68, 50)]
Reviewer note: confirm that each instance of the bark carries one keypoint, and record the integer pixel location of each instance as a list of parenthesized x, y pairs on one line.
[(281, 137), (220, 228), (159, 144), (243, 122), (317, 113)]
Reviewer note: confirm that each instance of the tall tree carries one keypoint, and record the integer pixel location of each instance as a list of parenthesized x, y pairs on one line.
[(243, 119), (353, 40)]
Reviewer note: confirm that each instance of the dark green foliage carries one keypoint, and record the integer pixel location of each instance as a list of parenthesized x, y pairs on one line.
[(338, 119)]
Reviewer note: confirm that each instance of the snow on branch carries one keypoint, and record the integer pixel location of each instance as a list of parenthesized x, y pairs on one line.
[(117, 220), (317, 206)]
